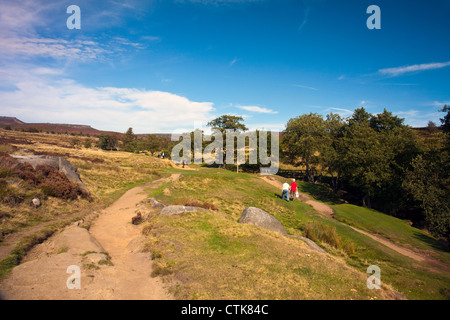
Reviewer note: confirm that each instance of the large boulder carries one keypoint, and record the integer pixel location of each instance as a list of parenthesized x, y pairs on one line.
[(58, 163), (262, 219)]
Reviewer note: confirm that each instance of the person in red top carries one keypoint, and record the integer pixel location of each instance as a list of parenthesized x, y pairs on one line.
[(293, 189)]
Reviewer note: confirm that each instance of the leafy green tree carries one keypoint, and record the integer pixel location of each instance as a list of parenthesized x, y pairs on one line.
[(385, 121), (428, 182), (152, 143), (303, 140), (359, 116), (107, 142), (330, 157), (129, 141), (228, 122), (365, 159), (446, 120), (87, 143)]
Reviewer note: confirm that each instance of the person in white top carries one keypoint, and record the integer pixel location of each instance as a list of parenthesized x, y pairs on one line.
[(286, 189)]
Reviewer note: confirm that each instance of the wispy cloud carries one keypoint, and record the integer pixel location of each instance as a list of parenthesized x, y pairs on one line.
[(341, 111), (24, 47), (257, 109), (305, 87), (416, 118), (440, 104), (305, 18), (413, 68), (232, 62)]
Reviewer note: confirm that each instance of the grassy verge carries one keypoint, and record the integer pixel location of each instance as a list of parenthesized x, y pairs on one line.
[(28, 242)]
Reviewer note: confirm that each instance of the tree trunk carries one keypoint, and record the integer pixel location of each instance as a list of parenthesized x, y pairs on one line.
[(366, 201), (308, 171)]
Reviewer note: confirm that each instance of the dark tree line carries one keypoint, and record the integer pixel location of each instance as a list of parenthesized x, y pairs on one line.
[(379, 158), (131, 143)]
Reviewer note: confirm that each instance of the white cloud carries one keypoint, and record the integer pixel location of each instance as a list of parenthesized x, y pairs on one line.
[(413, 68), (340, 111), (40, 98), (256, 109), (441, 104)]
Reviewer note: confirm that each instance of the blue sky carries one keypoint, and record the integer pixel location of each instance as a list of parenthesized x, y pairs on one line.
[(167, 65)]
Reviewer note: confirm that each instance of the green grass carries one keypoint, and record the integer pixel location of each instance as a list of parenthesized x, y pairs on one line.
[(231, 193), (392, 228)]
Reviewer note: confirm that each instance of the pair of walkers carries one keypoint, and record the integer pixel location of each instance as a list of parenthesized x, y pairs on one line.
[(289, 190)]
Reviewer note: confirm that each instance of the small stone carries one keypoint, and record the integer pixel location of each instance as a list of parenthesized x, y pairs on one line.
[(36, 202)]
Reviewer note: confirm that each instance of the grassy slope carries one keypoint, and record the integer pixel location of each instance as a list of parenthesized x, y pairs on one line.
[(231, 193), (413, 279)]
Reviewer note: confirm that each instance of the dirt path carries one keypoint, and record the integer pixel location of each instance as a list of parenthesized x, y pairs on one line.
[(318, 206), (128, 276), (173, 165), (328, 212)]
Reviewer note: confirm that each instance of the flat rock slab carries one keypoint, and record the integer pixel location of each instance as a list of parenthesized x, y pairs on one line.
[(179, 209), (311, 244), (262, 219), (77, 240)]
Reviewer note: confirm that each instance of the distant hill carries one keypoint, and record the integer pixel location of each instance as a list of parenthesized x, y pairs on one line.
[(15, 123), (10, 121)]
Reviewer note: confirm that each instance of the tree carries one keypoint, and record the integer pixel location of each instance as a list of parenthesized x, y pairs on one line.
[(365, 159), (129, 141), (152, 143), (428, 183), (228, 122), (385, 121), (107, 142), (330, 158), (303, 139), (359, 116), (431, 127), (446, 120), (87, 143)]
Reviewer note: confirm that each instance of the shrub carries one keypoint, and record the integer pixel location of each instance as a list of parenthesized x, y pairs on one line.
[(54, 183)]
